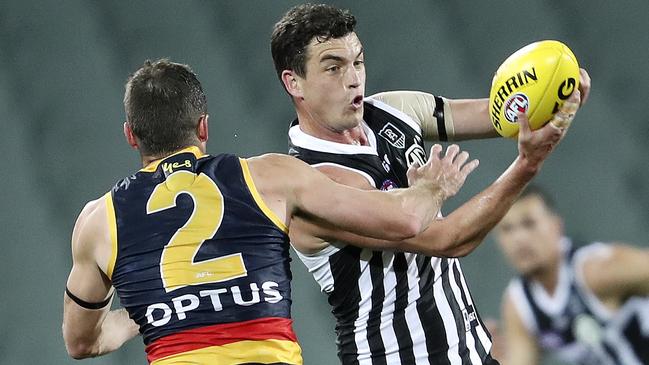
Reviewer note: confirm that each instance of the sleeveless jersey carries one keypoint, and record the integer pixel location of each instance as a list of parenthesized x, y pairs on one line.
[(201, 263), (391, 308), (574, 325)]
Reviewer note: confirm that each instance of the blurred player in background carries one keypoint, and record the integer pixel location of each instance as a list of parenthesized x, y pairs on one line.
[(586, 304), (196, 246), (391, 307)]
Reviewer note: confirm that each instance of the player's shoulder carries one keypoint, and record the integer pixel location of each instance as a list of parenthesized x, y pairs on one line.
[(277, 167), (591, 255), (93, 208), (92, 223), (275, 160)]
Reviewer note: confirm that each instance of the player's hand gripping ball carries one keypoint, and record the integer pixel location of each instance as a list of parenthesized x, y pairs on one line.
[(536, 80)]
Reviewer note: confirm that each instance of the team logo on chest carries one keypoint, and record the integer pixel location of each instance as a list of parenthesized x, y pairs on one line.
[(415, 153), (393, 135)]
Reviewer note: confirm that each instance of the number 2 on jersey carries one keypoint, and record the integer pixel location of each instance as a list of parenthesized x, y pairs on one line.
[(177, 266)]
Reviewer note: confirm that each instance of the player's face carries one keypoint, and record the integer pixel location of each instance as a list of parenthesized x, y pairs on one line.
[(334, 84), (529, 235)]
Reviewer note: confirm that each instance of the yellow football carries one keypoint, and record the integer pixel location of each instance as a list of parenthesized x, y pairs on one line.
[(535, 80)]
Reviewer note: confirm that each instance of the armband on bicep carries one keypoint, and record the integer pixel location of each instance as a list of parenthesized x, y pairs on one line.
[(432, 113), (437, 124), (82, 303)]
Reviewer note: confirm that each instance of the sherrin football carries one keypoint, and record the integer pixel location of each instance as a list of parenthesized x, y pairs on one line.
[(535, 80)]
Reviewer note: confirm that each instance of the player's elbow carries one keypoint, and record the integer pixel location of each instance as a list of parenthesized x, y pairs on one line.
[(77, 347), (407, 227), (79, 350), (455, 244)]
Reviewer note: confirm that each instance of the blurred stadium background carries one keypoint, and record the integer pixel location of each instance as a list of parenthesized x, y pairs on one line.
[(62, 69)]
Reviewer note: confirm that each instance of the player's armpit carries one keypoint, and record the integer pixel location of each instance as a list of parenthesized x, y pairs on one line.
[(618, 274), (84, 329), (520, 346)]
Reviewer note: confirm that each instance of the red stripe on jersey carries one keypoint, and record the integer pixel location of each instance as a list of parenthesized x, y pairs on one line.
[(269, 328)]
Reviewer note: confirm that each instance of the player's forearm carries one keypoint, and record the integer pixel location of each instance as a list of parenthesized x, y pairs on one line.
[(417, 207), (115, 330), (471, 119), (466, 227)]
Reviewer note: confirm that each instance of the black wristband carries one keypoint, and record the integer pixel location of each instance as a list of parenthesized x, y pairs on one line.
[(87, 305)]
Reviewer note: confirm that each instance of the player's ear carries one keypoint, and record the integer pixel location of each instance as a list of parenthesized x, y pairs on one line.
[(292, 83), (202, 129), (130, 137)]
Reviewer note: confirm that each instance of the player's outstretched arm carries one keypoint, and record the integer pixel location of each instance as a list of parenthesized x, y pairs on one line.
[(520, 346), (89, 327), (618, 273), (463, 119), (465, 228), (396, 215)]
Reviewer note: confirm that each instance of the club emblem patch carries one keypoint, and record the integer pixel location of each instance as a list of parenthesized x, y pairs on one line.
[(393, 135)]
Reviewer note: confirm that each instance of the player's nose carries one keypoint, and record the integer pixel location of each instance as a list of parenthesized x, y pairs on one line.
[(354, 77)]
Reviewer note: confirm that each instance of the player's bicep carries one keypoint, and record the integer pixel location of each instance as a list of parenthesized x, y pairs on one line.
[(88, 291), (86, 280), (432, 113)]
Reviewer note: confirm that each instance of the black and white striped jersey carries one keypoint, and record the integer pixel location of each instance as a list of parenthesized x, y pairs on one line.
[(391, 307), (573, 325)]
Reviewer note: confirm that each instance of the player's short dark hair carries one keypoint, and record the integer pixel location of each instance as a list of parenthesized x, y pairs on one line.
[(163, 102), (535, 190), (293, 33)]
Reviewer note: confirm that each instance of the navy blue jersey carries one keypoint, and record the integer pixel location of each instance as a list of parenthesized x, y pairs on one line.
[(200, 260)]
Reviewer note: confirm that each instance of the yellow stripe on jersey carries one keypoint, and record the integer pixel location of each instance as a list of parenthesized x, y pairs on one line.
[(241, 352), (154, 165), (112, 227), (260, 202)]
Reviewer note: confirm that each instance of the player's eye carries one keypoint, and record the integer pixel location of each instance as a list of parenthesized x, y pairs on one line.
[(333, 69), (358, 63)]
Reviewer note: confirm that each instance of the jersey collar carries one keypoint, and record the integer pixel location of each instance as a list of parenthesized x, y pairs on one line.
[(300, 139), (151, 167)]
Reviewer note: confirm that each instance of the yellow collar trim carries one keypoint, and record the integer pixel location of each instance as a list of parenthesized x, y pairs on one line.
[(191, 149)]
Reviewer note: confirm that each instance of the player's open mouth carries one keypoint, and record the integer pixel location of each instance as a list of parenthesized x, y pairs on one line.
[(357, 102)]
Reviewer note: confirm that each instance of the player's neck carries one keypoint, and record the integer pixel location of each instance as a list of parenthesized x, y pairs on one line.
[(548, 276), (354, 136)]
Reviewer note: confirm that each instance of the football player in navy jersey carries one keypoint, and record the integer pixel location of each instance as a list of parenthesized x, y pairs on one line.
[(196, 246), (392, 307), (584, 304)]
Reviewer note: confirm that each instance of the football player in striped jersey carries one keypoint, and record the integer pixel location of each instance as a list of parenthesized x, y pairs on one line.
[(585, 304), (391, 307)]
